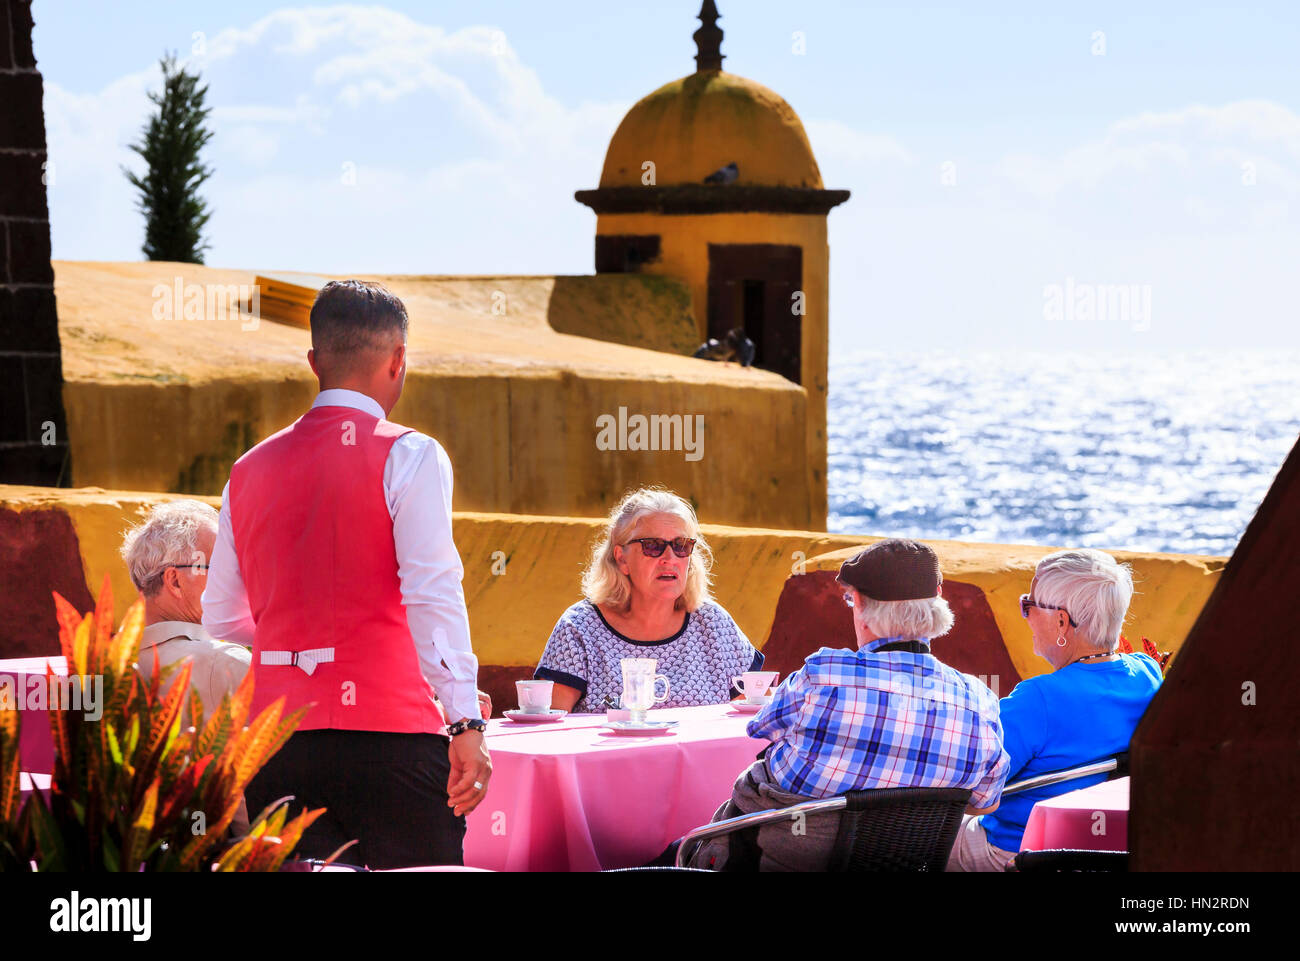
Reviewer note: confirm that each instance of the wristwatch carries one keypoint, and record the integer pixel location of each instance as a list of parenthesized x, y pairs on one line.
[(467, 724)]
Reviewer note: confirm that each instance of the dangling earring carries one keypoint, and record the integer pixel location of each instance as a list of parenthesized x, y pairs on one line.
[(1060, 640)]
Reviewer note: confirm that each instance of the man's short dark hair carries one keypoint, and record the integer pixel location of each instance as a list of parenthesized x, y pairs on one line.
[(352, 318)]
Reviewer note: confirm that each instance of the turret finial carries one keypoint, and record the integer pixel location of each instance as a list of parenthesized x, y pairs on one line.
[(708, 39)]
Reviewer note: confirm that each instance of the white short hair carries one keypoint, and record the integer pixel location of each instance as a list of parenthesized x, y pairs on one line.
[(169, 535), (926, 617), (1093, 587)]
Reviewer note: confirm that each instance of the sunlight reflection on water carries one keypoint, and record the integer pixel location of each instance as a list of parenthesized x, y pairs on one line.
[(1168, 453)]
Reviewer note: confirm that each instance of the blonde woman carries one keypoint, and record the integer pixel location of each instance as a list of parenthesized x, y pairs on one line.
[(647, 595)]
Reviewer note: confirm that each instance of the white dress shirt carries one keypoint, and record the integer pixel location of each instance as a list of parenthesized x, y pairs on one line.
[(417, 487)]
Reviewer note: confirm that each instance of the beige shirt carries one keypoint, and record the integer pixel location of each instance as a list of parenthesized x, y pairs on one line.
[(218, 667)]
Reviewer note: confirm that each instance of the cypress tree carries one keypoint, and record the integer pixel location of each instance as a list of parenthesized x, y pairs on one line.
[(175, 214)]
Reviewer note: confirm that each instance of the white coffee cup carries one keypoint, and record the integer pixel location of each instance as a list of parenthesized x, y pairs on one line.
[(755, 684), (535, 696)]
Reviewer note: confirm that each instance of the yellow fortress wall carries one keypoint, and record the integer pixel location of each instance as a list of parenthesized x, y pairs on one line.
[(521, 572), (168, 403)]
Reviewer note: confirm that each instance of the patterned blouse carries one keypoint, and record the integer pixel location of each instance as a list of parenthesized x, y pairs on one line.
[(699, 660)]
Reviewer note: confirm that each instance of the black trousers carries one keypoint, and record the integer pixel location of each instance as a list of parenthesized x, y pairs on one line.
[(387, 791)]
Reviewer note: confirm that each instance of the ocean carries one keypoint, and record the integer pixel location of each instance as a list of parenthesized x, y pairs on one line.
[(1138, 452)]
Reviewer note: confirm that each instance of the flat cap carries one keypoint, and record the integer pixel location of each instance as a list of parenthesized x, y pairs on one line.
[(893, 570)]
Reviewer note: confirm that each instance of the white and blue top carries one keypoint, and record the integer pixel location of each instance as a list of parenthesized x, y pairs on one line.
[(699, 660)]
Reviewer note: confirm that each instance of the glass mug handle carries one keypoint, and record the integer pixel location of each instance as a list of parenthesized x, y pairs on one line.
[(660, 677)]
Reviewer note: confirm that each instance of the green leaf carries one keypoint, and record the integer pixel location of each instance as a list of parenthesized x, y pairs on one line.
[(113, 748)]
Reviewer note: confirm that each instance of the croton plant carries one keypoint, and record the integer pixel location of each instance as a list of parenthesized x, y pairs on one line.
[(134, 790), (1149, 649)]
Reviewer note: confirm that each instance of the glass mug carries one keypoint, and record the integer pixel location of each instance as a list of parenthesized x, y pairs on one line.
[(639, 679)]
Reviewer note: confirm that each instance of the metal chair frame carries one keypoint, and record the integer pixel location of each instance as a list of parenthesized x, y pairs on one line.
[(1116, 766), (758, 819)]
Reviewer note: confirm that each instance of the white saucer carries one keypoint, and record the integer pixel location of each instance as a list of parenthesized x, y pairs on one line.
[(744, 708), (554, 714), (646, 727)]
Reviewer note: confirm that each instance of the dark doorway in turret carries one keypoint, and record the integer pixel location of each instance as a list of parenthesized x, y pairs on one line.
[(753, 286)]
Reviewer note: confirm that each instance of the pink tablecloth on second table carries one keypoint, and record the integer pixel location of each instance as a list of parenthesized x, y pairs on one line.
[(1091, 819), (29, 782), (35, 744), (571, 796)]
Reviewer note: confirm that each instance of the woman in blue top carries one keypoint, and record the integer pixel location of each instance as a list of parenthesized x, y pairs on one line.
[(1085, 710)]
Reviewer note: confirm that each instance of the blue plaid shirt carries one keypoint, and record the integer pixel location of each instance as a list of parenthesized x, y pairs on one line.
[(855, 720)]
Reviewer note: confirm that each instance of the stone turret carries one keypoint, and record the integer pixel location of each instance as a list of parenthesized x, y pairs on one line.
[(711, 179)]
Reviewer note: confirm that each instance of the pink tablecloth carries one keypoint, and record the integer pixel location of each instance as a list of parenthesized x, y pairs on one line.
[(572, 797), (35, 746), (1090, 819), (27, 783), (566, 796)]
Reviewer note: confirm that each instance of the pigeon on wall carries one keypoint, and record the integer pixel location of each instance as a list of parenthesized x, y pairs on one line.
[(734, 346), (724, 175)]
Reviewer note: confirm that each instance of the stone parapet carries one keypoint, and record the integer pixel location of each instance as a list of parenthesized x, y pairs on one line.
[(522, 571)]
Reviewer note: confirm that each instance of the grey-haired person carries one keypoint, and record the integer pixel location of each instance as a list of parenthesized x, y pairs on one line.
[(888, 714), (167, 557), (1084, 710)]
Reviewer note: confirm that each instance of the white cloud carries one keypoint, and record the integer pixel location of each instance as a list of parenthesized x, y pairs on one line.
[(1198, 148), (1160, 200), (457, 150)]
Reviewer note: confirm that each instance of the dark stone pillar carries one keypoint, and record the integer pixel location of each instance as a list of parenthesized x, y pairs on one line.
[(33, 429)]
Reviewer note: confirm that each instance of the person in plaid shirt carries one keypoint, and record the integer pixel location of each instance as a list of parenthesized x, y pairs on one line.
[(887, 715)]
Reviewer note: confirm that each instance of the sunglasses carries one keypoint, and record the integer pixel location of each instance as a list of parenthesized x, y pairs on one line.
[(654, 546), (194, 568), (1026, 603)]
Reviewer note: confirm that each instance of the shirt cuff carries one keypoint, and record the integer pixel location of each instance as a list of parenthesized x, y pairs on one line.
[(461, 702)]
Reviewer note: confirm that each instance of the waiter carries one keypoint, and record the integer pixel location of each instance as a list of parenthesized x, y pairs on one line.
[(334, 559)]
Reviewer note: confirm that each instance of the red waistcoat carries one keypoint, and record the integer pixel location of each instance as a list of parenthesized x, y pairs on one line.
[(315, 545)]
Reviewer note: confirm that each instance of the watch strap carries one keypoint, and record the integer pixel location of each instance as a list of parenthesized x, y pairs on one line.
[(466, 724)]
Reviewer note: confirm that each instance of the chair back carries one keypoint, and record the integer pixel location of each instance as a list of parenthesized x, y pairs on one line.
[(898, 829), (1058, 860)]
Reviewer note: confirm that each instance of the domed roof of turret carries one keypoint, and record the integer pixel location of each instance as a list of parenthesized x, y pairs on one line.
[(694, 127)]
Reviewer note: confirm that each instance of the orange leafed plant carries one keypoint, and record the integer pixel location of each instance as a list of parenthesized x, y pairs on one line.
[(132, 790), (1149, 649)]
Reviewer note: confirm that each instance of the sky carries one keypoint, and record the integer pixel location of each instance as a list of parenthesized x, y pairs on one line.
[(1012, 165)]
